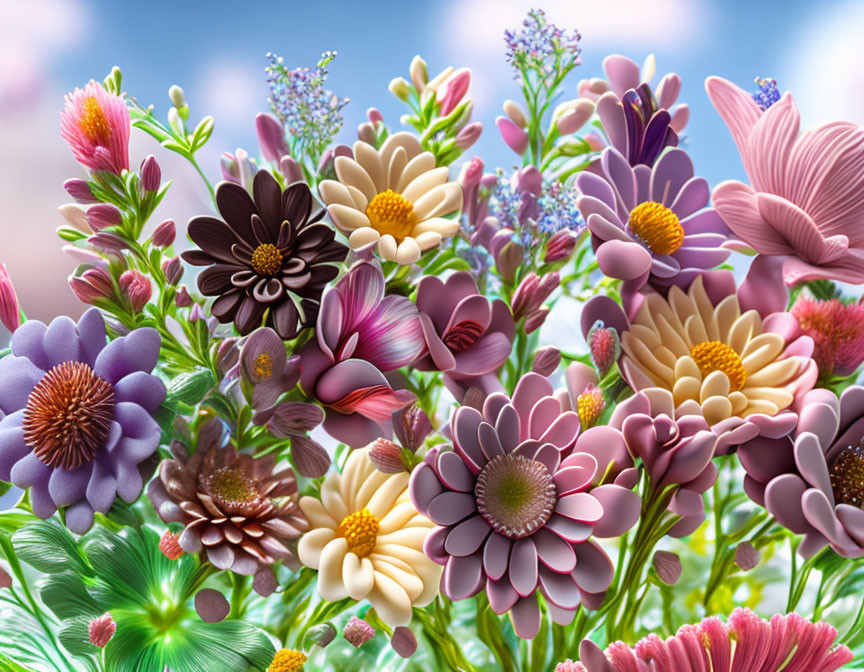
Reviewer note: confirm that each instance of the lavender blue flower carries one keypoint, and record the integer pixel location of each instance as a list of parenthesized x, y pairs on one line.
[(767, 94), (541, 47)]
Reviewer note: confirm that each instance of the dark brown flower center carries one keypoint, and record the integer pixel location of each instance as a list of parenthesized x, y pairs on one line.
[(267, 259), (68, 415), (515, 495), (463, 335), (232, 486), (847, 476)]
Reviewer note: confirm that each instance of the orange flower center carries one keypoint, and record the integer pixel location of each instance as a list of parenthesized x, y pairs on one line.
[(391, 213), (360, 530), (263, 366), (657, 226), (716, 356), (95, 124), (590, 406), (267, 259), (287, 660)]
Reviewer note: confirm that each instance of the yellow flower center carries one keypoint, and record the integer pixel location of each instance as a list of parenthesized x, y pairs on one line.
[(267, 259), (590, 406), (94, 123), (287, 660), (360, 530), (658, 226), (716, 356), (391, 213), (263, 366), (232, 485)]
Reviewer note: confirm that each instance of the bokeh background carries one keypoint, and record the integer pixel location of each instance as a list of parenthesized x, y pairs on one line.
[(216, 51)]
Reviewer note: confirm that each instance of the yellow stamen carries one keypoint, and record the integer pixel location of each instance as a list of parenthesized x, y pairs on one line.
[(590, 406), (232, 485), (267, 259), (263, 366), (391, 213), (658, 226), (287, 660), (95, 124), (716, 356), (360, 530)]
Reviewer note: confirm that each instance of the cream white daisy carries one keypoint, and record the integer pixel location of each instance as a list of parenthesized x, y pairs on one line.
[(367, 541), (394, 196)]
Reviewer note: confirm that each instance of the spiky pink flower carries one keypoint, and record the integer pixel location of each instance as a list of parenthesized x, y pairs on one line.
[(96, 125), (357, 632), (837, 331), (604, 345), (746, 643), (101, 630)]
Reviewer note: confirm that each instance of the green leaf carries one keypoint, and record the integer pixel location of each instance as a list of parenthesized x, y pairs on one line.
[(9, 665), (74, 635), (66, 595), (14, 519), (191, 388), (49, 548)]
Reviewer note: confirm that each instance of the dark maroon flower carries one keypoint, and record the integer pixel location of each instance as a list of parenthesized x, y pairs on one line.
[(270, 258)]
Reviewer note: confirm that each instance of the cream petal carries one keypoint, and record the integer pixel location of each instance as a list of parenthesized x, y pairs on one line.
[(671, 337), (726, 313), (362, 237), (369, 159), (696, 331), (412, 556), (777, 396), (413, 537), (396, 167), (646, 334), (715, 409), (330, 585), (665, 357), (704, 308), (403, 139), (650, 364), (408, 251), (442, 200), (441, 225), (360, 201), (397, 518), (312, 544), (428, 240), (416, 166), (358, 576), (739, 402), (430, 574), (775, 374), (686, 388), (333, 192), (760, 406), (350, 172), (761, 350), (685, 366), (358, 467), (347, 219), (409, 581), (425, 182), (682, 304), (716, 384), (331, 497), (661, 400), (318, 516), (367, 488), (390, 600), (387, 247), (743, 329), (385, 496)]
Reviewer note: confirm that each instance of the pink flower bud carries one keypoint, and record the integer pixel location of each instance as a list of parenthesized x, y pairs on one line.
[(173, 270), (93, 284), (472, 173), (165, 233), (101, 630), (196, 313), (522, 303), (366, 133), (453, 90), (514, 112), (412, 426), (386, 456), (536, 319), (102, 215), (79, 190), (508, 259), (528, 180), (571, 116), (5, 579), (291, 170), (170, 546), (136, 288), (746, 556), (76, 216), (375, 116), (546, 360), (10, 312), (469, 135), (183, 300), (668, 567), (595, 141), (271, 137), (107, 242), (590, 405), (357, 632), (151, 174), (403, 641), (560, 246), (604, 345), (515, 137), (548, 284)]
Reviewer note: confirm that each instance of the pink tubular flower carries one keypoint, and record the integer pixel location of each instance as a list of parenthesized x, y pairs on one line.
[(94, 284), (10, 312), (151, 174), (136, 288), (453, 90), (806, 190), (515, 137), (101, 630), (746, 643), (361, 335), (96, 125), (837, 331)]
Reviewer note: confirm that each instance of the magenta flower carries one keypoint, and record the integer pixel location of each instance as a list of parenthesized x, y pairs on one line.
[(96, 125), (467, 335), (811, 481), (806, 190), (10, 312), (651, 224), (515, 516), (746, 643), (361, 335), (837, 330), (101, 630)]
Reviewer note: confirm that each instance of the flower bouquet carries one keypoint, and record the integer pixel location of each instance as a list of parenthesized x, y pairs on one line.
[(345, 420)]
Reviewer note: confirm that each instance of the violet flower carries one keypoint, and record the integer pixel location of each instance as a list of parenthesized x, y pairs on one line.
[(266, 368)]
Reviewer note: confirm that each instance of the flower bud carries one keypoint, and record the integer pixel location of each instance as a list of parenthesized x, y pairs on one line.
[(182, 299), (514, 112), (107, 242), (357, 632), (177, 96), (508, 259), (101, 630), (151, 174), (419, 73), (94, 283), (196, 313), (746, 556), (10, 312), (170, 546), (321, 635), (386, 456), (5, 579), (604, 345), (515, 137), (469, 135), (173, 270), (136, 288), (590, 405), (403, 641), (595, 141), (228, 354), (668, 567), (102, 215), (271, 137), (570, 116), (80, 190), (453, 90), (400, 88), (366, 133), (164, 234), (375, 116), (76, 216), (536, 319), (412, 426), (546, 360), (560, 246)]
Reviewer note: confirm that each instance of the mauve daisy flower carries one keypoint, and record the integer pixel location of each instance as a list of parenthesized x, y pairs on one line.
[(272, 255), (651, 224), (78, 415), (837, 331), (367, 541), (394, 197), (361, 335), (96, 125), (513, 516), (236, 508), (746, 643), (266, 368)]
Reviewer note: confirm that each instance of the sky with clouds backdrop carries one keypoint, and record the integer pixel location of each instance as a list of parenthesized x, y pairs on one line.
[(216, 51)]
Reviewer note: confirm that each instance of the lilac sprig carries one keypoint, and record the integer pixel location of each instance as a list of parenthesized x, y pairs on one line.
[(541, 49), (767, 93)]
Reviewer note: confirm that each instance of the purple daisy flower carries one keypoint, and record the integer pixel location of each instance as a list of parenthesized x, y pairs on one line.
[(651, 224), (515, 516), (811, 480), (78, 415)]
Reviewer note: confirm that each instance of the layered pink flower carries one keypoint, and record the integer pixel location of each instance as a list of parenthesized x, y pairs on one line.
[(806, 190), (361, 334), (96, 125), (837, 330)]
